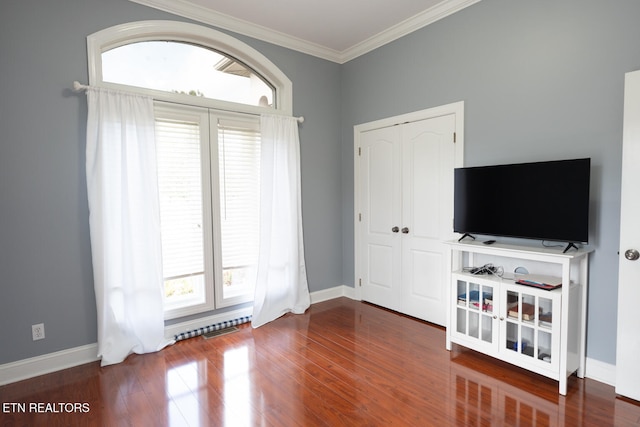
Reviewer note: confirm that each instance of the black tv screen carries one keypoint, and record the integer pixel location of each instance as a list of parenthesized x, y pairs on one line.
[(542, 200)]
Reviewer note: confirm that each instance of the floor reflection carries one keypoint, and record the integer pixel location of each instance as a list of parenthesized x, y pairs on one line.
[(187, 394), (237, 386), (484, 400)]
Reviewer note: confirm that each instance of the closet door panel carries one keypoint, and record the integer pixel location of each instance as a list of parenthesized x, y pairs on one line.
[(381, 195), (427, 213)]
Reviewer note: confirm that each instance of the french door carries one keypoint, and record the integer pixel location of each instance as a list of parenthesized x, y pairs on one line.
[(208, 178)]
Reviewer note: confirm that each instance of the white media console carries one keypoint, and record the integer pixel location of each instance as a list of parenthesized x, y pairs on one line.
[(540, 330)]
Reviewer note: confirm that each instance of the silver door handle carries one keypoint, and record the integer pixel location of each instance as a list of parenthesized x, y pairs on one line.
[(405, 230), (631, 254), (395, 229)]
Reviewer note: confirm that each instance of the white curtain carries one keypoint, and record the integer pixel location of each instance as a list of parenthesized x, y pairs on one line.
[(124, 221), (281, 284)]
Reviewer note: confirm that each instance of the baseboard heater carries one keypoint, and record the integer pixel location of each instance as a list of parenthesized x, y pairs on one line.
[(216, 327)]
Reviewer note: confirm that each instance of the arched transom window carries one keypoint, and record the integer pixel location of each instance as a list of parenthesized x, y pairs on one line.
[(173, 60), (184, 68)]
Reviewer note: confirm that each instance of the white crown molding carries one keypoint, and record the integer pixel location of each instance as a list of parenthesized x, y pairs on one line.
[(198, 13), (220, 20), (416, 22)]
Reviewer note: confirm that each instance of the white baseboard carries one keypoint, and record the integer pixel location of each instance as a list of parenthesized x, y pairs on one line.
[(601, 371), (47, 363), (332, 293), (52, 362)]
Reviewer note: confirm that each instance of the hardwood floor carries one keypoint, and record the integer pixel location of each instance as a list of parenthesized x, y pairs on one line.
[(343, 363)]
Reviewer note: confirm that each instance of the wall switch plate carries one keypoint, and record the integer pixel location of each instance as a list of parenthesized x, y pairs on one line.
[(37, 331)]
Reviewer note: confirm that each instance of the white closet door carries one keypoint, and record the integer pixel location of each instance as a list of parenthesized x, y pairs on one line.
[(628, 339), (428, 154), (406, 201), (381, 198)]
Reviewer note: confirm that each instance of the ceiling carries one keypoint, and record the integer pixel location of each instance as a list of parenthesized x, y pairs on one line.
[(336, 30)]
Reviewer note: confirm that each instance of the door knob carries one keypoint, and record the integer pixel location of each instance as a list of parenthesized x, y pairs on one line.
[(405, 230), (395, 229), (631, 254)]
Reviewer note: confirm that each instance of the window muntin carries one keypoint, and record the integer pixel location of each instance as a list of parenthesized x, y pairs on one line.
[(184, 68)]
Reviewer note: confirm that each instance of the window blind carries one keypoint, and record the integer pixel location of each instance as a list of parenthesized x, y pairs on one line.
[(239, 181), (180, 185)]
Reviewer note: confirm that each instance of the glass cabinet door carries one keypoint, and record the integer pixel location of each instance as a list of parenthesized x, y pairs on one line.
[(529, 321), (545, 323), (475, 310)]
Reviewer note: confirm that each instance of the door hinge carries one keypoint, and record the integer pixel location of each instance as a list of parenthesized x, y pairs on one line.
[(360, 217), (359, 151), (359, 282), (454, 137)]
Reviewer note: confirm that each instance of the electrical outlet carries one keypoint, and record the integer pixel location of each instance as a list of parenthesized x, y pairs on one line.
[(37, 331)]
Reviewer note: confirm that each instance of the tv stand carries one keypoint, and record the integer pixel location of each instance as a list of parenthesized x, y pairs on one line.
[(543, 331), (569, 246), (466, 235)]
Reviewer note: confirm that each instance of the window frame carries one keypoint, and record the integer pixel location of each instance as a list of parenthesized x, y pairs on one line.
[(176, 31), (182, 105)]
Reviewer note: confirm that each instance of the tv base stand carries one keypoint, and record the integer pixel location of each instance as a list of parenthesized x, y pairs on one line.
[(569, 246), (466, 235), (543, 331)]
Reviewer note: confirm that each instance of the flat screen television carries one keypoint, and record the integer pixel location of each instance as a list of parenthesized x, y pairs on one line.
[(541, 200)]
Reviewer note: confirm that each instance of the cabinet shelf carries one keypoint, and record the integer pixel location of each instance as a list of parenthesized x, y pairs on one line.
[(537, 329)]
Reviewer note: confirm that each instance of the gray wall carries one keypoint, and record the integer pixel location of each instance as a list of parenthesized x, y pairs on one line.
[(541, 80), (44, 234)]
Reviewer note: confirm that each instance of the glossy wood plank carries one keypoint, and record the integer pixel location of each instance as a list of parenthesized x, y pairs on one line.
[(343, 363)]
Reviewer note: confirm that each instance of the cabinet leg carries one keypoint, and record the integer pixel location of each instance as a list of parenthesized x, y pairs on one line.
[(562, 388)]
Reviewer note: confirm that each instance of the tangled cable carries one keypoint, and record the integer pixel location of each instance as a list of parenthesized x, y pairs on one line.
[(485, 269)]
